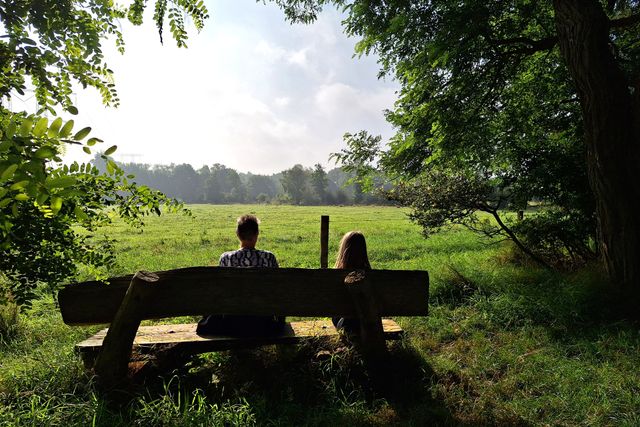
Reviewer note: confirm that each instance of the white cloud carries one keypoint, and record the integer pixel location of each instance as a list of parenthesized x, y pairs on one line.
[(282, 101), (339, 99), (269, 51), (274, 53), (298, 57), (228, 98)]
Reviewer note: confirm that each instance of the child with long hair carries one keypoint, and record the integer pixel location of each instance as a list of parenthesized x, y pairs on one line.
[(353, 252), (352, 255)]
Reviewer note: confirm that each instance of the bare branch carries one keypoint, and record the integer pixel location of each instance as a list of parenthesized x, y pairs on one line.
[(530, 45), (518, 243)]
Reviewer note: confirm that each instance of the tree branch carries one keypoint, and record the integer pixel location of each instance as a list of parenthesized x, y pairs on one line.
[(625, 22), (532, 46), (517, 241)]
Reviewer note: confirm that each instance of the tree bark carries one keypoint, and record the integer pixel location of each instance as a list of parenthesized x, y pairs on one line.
[(611, 113)]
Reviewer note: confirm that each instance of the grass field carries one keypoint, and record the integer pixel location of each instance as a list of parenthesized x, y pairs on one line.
[(505, 343)]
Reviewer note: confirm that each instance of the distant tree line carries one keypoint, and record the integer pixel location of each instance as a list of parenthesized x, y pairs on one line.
[(218, 184)]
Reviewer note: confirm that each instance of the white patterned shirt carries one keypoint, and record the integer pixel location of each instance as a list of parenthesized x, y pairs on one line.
[(246, 257)]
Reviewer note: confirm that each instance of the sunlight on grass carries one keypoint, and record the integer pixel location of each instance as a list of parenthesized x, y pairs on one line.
[(503, 343)]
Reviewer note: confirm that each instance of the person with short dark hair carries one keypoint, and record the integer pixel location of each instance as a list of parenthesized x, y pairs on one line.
[(247, 256), (248, 231)]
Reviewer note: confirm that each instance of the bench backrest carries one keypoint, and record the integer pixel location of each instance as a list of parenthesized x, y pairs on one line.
[(215, 290)]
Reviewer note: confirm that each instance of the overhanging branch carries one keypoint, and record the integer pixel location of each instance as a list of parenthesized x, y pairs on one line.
[(530, 46), (625, 22)]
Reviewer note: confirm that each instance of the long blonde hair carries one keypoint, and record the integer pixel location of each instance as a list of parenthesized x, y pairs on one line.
[(353, 252)]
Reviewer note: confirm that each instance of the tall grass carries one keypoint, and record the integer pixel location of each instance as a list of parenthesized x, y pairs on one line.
[(503, 343)]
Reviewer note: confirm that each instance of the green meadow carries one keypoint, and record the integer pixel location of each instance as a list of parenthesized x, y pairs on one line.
[(505, 343)]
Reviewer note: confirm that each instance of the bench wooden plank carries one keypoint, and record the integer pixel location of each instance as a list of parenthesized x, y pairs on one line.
[(284, 292), (185, 334)]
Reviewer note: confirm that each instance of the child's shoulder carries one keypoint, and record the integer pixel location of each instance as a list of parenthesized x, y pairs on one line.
[(227, 254), (265, 253)]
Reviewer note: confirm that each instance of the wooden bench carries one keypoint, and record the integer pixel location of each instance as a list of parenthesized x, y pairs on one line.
[(125, 301)]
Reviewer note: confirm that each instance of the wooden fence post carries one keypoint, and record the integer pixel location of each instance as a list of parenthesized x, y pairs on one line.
[(324, 241), (113, 361)]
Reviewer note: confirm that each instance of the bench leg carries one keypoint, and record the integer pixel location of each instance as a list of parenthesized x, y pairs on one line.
[(112, 364), (372, 342)]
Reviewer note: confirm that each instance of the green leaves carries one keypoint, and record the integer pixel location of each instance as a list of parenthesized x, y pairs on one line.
[(80, 214), (45, 153), (487, 116), (71, 48), (41, 127), (55, 48), (66, 129), (176, 24), (60, 182), (111, 167), (54, 129), (10, 131), (93, 141), (111, 150), (81, 134), (56, 204), (8, 172), (19, 185), (25, 127)]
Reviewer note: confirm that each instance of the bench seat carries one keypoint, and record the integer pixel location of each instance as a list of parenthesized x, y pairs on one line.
[(183, 337)]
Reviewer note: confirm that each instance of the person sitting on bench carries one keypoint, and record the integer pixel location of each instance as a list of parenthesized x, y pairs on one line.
[(352, 255), (247, 256)]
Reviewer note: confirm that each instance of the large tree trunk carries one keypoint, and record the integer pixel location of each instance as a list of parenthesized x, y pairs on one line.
[(611, 115)]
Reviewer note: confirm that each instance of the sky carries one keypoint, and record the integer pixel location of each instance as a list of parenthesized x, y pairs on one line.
[(251, 91)]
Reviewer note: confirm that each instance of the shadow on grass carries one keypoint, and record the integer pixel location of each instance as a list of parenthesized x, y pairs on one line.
[(538, 297), (318, 383), (579, 311)]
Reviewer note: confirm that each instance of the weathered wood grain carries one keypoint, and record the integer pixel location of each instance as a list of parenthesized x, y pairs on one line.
[(215, 290), (111, 365), (372, 342), (158, 336)]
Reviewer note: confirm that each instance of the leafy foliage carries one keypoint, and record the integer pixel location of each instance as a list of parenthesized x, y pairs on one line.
[(223, 185), (319, 183), (294, 182), (563, 236), (486, 107), (58, 42), (48, 212)]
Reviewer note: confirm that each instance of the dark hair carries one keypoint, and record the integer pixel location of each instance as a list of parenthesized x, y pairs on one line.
[(353, 252), (247, 227)]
